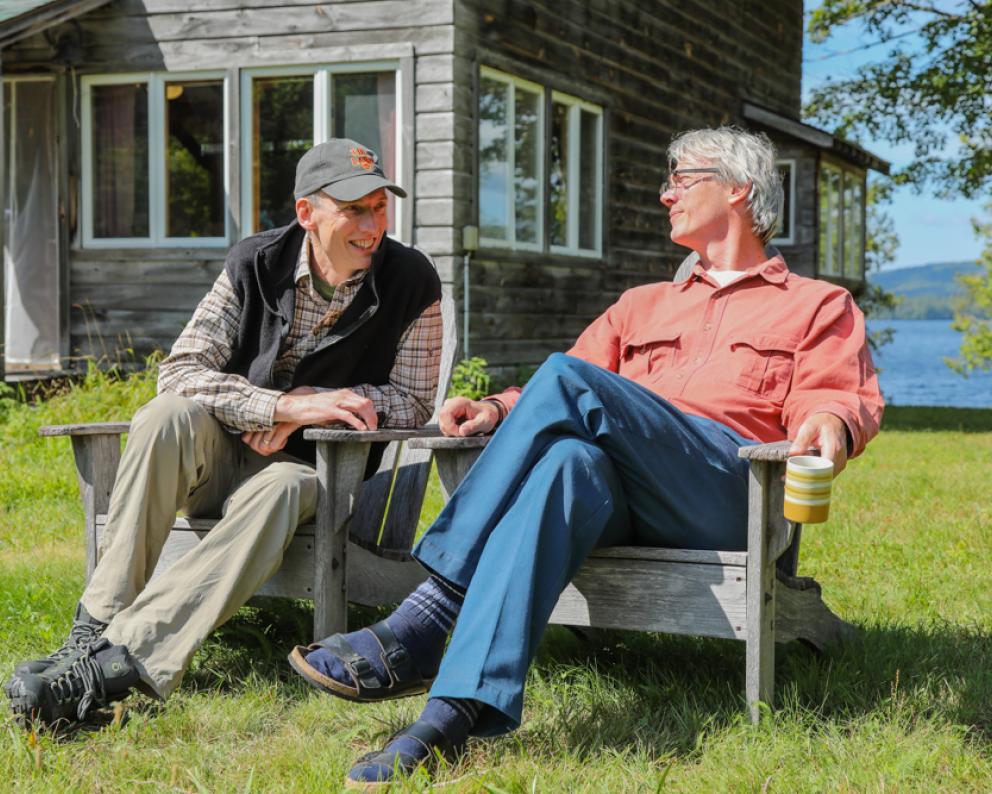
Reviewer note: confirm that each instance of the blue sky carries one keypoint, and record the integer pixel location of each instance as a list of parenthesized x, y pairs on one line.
[(930, 230)]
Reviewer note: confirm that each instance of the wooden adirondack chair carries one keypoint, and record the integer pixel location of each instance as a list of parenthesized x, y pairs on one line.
[(380, 515), (753, 595)]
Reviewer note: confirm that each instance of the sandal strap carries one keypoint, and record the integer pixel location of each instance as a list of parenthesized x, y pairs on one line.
[(358, 666), (400, 668), (396, 659), (433, 741), (429, 736)]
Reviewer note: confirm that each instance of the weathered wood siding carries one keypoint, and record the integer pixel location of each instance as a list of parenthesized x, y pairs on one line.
[(657, 68), (125, 303)]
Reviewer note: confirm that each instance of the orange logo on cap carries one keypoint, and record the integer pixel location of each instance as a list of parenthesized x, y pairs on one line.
[(363, 158)]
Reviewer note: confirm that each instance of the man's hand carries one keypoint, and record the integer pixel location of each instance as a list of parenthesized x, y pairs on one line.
[(461, 416), (304, 405), (268, 442), (328, 407), (826, 432)]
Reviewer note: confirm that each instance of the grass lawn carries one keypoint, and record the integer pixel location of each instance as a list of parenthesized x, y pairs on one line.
[(908, 707)]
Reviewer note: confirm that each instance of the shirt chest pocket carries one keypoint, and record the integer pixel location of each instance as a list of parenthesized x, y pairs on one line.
[(763, 364), (649, 354)]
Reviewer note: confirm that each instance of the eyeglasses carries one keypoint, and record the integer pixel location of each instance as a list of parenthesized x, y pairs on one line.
[(675, 184)]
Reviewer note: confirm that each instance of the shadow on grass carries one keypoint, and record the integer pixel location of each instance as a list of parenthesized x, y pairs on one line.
[(662, 693), (941, 671), (257, 641), (616, 690), (923, 418)]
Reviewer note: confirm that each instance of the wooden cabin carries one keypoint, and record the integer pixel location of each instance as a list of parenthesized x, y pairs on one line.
[(141, 138)]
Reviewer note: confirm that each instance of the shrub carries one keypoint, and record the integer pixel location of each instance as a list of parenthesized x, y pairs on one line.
[(470, 379)]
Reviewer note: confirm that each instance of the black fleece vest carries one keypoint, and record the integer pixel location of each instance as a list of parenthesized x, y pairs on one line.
[(359, 348)]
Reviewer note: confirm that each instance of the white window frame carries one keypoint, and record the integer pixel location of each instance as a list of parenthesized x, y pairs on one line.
[(825, 257), (322, 99), (156, 161), (575, 108), (859, 185), (837, 199), (511, 241), (790, 239)]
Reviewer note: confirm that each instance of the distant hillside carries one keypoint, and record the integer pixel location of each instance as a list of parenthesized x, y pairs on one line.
[(929, 292)]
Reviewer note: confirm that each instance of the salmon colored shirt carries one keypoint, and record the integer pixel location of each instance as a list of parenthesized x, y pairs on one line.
[(759, 355)]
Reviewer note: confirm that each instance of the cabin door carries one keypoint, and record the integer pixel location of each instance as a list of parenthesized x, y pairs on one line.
[(30, 240)]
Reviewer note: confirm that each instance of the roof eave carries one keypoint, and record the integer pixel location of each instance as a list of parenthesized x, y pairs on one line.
[(44, 16), (815, 137)]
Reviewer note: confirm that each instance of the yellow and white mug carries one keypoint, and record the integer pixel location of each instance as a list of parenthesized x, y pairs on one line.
[(807, 488)]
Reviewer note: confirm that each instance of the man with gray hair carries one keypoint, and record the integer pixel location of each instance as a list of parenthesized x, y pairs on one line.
[(325, 320), (631, 438)]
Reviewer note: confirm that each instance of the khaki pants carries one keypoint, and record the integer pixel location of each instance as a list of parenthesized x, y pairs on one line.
[(178, 455)]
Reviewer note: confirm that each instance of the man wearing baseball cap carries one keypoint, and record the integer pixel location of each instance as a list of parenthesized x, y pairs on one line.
[(326, 320)]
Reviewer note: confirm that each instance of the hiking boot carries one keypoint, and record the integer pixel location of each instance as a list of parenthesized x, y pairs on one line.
[(85, 630), (101, 673)]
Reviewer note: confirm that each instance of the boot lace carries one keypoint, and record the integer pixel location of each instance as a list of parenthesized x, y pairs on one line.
[(81, 635), (83, 680)]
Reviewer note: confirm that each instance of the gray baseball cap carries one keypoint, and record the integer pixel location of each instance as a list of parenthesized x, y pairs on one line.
[(343, 169)]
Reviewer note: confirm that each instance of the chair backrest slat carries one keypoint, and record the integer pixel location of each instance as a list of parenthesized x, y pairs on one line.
[(408, 475), (366, 522)]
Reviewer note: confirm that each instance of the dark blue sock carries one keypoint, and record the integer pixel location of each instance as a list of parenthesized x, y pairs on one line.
[(421, 624), (454, 717)]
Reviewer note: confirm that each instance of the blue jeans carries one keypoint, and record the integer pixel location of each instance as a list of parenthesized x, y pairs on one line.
[(587, 458)]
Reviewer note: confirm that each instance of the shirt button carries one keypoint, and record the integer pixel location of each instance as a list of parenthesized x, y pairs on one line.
[(679, 376), (699, 359), (708, 327)]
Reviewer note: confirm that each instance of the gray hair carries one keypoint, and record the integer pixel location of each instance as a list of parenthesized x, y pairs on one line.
[(742, 157), (317, 196)]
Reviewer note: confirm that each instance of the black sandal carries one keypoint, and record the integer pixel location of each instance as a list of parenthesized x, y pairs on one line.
[(404, 677), (400, 764)]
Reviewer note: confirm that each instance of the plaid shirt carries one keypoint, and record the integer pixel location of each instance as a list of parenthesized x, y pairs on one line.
[(194, 367)]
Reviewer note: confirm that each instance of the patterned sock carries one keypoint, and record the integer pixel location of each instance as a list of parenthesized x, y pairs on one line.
[(421, 624), (454, 717)]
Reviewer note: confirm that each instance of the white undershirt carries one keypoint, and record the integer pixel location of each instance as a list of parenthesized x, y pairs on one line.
[(724, 277)]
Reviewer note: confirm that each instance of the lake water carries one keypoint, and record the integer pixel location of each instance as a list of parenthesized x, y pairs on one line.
[(912, 368)]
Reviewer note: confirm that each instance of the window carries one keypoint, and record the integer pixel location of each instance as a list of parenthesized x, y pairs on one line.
[(575, 182), (284, 111), (511, 122), (155, 147), (841, 218), (787, 218), (194, 175), (153, 163), (518, 194)]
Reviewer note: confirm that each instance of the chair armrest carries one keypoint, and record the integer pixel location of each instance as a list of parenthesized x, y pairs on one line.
[(96, 451), (775, 452), (453, 456), (88, 429), (450, 443), (363, 436)]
